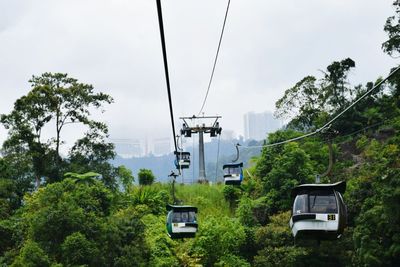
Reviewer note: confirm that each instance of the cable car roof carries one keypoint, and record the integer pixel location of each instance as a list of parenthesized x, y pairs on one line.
[(339, 186), (181, 208), (234, 165)]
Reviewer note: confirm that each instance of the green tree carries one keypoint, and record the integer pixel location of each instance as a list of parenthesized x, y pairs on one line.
[(232, 261), (336, 92), (125, 177), (311, 101), (218, 239), (123, 240), (376, 232), (25, 125), (231, 194), (31, 255), (55, 100), (392, 28), (161, 245), (92, 153), (16, 169), (77, 250), (154, 198), (252, 212), (392, 46), (66, 100), (303, 103), (276, 242), (63, 208), (146, 177), (8, 198), (282, 168), (8, 239), (87, 178), (73, 222)]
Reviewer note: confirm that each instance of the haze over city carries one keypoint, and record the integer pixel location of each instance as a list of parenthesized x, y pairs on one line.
[(200, 133), (268, 46)]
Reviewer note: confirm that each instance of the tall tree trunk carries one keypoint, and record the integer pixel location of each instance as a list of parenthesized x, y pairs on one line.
[(58, 129), (37, 182)]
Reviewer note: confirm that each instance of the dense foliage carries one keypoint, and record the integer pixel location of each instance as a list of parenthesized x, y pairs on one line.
[(81, 211), (146, 177)]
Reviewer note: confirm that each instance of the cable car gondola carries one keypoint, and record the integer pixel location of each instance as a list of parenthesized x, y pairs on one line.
[(181, 221), (182, 160), (233, 173), (318, 211)]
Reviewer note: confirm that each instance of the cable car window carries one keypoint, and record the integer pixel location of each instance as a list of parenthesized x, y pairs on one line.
[(300, 204), (232, 170), (322, 202), (192, 216), (177, 217), (185, 217)]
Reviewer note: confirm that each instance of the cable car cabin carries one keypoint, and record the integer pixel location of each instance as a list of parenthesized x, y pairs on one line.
[(233, 173), (318, 211), (182, 160), (181, 221)]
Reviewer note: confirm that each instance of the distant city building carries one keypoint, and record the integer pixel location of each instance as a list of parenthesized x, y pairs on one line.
[(258, 125), (161, 146), (227, 134), (128, 148)]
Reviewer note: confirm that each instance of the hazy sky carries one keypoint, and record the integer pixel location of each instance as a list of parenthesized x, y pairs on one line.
[(268, 46)]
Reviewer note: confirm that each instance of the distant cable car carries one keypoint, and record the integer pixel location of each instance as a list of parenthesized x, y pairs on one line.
[(181, 221), (182, 160), (318, 211), (233, 173)]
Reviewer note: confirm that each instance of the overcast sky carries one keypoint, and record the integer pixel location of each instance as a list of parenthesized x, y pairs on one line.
[(268, 46)]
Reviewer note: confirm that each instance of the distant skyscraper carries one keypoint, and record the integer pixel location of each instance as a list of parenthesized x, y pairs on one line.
[(227, 134), (161, 146), (257, 125), (128, 148)]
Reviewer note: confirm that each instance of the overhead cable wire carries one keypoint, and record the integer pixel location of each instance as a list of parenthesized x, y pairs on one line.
[(327, 125), (216, 58), (361, 130), (164, 50), (286, 141)]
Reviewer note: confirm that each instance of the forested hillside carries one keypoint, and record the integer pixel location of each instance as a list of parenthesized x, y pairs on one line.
[(80, 210), (164, 164)]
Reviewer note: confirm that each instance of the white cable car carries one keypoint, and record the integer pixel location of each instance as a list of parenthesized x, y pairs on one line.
[(233, 173), (181, 221), (318, 211), (182, 160)]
